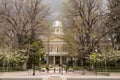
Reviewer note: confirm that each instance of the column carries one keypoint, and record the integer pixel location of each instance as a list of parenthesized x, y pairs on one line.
[(47, 59), (67, 60), (53, 60), (61, 60), (67, 66)]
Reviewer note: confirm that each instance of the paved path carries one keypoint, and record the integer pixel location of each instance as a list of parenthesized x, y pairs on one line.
[(27, 75), (54, 78), (57, 77), (37, 73)]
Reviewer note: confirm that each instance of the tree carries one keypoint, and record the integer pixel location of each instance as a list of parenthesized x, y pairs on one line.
[(84, 29), (39, 53), (111, 57), (24, 21), (113, 21), (11, 57)]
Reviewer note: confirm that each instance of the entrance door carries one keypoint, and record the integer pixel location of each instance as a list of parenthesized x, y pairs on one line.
[(57, 60)]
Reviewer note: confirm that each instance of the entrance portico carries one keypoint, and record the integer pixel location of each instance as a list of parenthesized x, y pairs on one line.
[(57, 60)]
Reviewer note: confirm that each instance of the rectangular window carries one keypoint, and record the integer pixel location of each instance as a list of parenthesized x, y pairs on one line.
[(57, 49), (57, 30), (51, 48)]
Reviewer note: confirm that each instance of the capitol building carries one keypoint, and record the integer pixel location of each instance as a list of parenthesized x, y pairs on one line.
[(54, 45)]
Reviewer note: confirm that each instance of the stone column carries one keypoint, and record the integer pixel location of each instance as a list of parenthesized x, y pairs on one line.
[(61, 60), (66, 60), (53, 60)]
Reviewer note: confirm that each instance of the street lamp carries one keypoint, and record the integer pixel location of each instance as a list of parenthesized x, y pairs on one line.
[(34, 50), (62, 69), (95, 61), (73, 64), (66, 64), (40, 64)]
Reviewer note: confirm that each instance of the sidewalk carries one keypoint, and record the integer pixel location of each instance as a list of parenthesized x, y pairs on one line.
[(38, 73), (56, 76)]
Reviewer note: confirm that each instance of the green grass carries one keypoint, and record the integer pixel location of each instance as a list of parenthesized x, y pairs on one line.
[(10, 69), (99, 69), (109, 69)]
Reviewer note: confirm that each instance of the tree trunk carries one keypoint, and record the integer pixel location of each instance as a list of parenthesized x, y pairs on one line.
[(7, 66), (3, 68), (24, 66)]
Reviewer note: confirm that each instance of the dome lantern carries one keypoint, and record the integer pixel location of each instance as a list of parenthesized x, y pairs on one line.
[(57, 24), (57, 27)]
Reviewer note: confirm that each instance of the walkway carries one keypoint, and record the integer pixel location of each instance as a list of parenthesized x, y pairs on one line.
[(54, 78), (27, 75)]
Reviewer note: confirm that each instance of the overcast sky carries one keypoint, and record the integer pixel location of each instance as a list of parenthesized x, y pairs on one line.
[(55, 8)]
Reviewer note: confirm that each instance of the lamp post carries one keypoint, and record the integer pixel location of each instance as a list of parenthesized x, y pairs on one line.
[(48, 45), (83, 63), (66, 64), (34, 50), (95, 61), (62, 69), (69, 62), (73, 64), (40, 64)]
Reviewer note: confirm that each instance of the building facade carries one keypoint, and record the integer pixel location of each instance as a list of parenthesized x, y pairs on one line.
[(54, 45)]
